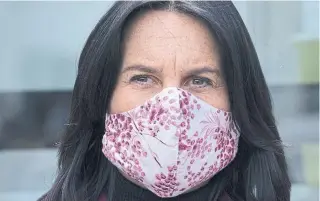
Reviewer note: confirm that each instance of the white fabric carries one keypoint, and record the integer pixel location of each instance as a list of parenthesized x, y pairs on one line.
[(171, 143)]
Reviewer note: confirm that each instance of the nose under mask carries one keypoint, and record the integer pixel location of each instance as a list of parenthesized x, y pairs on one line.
[(171, 143)]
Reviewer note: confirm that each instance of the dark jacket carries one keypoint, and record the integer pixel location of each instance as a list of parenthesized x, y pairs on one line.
[(225, 197)]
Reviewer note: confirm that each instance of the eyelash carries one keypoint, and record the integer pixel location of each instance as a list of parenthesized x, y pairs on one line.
[(135, 79), (207, 81)]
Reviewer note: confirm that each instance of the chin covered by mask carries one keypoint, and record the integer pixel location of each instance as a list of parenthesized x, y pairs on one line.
[(172, 143)]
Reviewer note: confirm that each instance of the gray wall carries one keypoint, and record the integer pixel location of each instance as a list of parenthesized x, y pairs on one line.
[(41, 41)]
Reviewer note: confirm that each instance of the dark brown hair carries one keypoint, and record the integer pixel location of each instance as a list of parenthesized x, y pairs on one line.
[(259, 171)]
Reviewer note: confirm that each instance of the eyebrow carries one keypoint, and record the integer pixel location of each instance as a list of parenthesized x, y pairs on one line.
[(205, 69), (147, 69), (141, 68)]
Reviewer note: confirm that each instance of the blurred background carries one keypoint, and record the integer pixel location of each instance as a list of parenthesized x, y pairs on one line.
[(40, 44)]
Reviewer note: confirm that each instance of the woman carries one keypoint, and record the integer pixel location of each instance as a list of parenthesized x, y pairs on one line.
[(170, 103)]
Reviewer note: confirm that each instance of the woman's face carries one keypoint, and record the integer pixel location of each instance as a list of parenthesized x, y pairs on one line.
[(167, 49)]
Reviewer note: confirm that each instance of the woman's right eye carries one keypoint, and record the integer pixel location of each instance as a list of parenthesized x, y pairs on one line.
[(142, 79)]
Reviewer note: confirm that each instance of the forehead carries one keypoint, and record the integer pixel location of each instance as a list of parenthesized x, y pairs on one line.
[(166, 36)]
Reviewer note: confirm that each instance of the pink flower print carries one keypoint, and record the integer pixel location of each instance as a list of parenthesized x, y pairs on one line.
[(198, 106), (186, 101), (165, 98), (212, 125), (183, 146), (167, 123), (171, 101), (195, 178), (166, 183)]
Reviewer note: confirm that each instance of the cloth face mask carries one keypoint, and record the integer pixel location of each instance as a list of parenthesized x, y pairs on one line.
[(172, 143)]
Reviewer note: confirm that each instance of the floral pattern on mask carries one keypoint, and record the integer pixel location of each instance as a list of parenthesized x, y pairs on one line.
[(171, 143)]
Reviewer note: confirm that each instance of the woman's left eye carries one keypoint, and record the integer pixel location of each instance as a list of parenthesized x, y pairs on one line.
[(199, 82)]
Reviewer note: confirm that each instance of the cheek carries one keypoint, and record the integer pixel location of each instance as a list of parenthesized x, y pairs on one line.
[(120, 101), (125, 98), (218, 99)]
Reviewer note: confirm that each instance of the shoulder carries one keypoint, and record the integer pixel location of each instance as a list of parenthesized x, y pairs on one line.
[(225, 197), (102, 197)]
